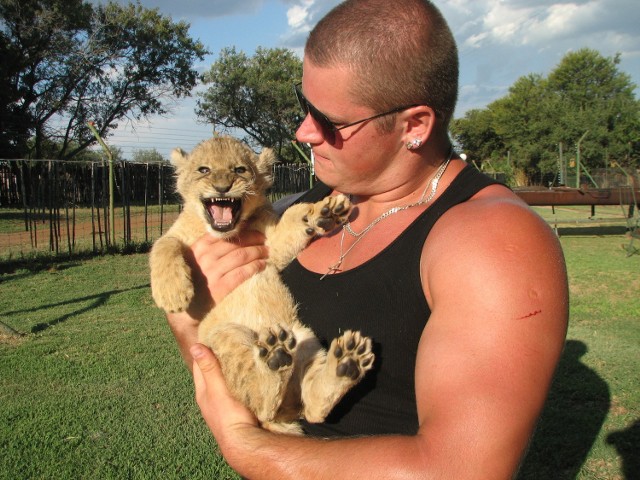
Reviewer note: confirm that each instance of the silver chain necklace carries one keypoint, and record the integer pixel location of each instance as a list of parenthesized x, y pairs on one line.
[(334, 268)]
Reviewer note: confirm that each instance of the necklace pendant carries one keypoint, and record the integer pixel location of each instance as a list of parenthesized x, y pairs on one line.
[(335, 268)]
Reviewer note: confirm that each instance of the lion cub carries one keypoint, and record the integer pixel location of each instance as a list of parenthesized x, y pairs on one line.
[(271, 362)]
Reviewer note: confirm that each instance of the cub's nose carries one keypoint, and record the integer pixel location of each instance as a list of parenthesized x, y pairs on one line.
[(222, 187)]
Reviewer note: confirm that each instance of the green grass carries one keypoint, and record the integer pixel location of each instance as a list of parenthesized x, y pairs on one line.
[(591, 425), (95, 387)]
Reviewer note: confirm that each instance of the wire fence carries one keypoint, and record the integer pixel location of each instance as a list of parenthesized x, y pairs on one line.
[(62, 207)]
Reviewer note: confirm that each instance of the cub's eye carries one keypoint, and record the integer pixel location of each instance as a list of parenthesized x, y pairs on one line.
[(240, 170), (204, 170)]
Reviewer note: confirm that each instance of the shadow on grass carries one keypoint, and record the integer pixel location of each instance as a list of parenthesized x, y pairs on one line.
[(35, 262), (627, 443), (97, 300), (34, 269), (571, 420)]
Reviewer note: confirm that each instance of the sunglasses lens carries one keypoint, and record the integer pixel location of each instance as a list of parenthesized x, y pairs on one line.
[(328, 131), (301, 100)]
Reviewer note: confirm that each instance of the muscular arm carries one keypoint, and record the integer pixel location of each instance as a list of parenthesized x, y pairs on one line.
[(497, 289)]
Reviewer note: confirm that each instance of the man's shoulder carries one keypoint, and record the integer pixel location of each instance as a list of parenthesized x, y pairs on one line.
[(494, 203), (486, 223)]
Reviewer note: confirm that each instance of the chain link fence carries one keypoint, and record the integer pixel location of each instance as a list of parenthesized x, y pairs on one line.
[(62, 207)]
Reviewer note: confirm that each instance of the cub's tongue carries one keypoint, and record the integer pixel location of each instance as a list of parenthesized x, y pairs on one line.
[(221, 212)]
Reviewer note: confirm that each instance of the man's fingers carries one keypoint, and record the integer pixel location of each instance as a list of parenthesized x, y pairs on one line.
[(241, 256), (211, 254), (223, 265), (219, 408), (206, 370), (204, 244)]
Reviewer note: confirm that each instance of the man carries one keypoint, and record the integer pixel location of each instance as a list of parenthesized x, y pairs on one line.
[(461, 286)]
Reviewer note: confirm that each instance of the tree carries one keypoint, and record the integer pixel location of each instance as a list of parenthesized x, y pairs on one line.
[(596, 98), (68, 62), (148, 156), (476, 135), (254, 95), (585, 93), (524, 120)]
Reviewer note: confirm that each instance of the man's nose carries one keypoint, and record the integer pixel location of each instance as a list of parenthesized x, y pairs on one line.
[(309, 131)]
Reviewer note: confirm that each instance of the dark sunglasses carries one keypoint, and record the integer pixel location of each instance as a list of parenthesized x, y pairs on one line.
[(329, 128)]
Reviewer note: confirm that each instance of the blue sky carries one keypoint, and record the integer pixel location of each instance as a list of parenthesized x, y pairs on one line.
[(499, 41)]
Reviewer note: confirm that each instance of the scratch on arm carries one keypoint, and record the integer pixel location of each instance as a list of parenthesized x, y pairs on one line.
[(529, 315)]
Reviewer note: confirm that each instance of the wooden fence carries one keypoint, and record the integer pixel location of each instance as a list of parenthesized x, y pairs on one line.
[(63, 207)]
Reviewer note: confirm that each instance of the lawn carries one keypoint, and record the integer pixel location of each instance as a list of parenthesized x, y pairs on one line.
[(92, 386), (96, 388)]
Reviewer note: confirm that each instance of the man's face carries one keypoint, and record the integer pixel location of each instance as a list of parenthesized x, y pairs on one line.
[(356, 159)]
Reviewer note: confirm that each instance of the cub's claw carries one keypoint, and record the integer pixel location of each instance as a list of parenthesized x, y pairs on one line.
[(327, 214)]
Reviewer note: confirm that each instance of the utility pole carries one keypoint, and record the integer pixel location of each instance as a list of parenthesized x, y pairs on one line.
[(562, 171), (112, 229), (307, 159), (578, 159)]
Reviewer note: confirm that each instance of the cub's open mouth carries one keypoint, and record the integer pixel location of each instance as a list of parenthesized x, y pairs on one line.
[(223, 212)]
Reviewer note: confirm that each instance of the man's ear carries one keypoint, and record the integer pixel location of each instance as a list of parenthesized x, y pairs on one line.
[(420, 123)]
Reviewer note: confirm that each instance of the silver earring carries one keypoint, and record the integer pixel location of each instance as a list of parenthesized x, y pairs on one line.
[(415, 143)]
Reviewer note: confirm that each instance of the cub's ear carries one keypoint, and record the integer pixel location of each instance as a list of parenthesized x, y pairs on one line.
[(266, 160), (178, 157)]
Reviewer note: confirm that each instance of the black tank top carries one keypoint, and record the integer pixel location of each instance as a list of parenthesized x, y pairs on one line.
[(384, 299)]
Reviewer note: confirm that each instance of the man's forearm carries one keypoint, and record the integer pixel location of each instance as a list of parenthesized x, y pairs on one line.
[(262, 455), (185, 331)]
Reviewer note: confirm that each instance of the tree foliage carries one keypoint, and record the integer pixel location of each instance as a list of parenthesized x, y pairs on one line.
[(254, 95), (148, 156), (585, 95), (67, 62)]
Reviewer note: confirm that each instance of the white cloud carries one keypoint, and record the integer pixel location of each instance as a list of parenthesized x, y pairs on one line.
[(502, 40), (302, 15), (298, 16), (519, 22)]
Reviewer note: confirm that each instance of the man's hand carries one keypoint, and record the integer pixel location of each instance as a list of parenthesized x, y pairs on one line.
[(223, 265), (226, 417)]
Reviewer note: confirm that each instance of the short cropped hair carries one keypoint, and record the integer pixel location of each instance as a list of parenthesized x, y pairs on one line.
[(402, 52)]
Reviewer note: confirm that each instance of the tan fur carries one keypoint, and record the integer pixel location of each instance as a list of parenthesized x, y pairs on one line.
[(270, 360)]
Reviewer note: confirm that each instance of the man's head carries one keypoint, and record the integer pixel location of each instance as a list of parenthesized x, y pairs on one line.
[(401, 52)]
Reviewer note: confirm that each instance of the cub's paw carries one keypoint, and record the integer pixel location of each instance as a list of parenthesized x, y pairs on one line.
[(175, 295), (352, 354), (327, 214), (275, 348)]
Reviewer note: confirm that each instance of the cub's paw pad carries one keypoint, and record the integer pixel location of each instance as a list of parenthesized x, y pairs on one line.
[(326, 214), (275, 347), (353, 355)]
